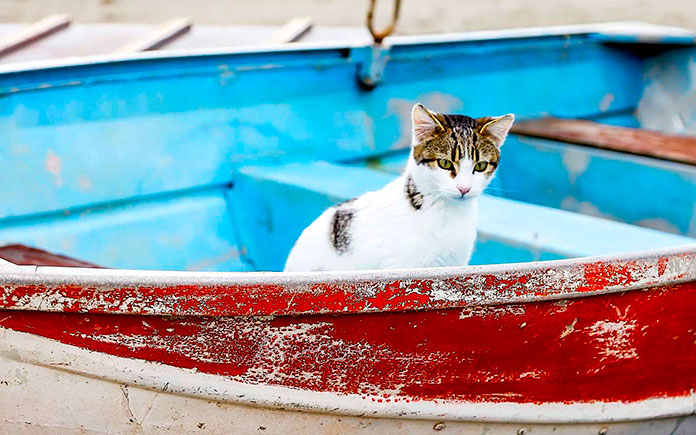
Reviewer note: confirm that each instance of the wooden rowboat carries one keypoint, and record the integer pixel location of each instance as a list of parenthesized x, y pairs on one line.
[(188, 177)]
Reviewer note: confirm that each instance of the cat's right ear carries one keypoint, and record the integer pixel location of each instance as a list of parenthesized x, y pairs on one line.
[(425, 123)]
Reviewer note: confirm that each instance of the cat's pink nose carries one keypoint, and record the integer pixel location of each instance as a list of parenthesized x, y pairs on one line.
[(463, 190)]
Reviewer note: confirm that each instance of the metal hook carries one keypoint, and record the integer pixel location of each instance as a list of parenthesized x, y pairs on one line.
[(378, 36)]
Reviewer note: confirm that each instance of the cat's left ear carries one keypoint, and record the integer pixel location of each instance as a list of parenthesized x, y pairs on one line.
[(496, 128), (425, 123)]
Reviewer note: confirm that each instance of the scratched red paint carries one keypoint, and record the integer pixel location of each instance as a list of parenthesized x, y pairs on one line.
[(662, 266), (616, 347), (602, 275), (621, 346), (339, 297)]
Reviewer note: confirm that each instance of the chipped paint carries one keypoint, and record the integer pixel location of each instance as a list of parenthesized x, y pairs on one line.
[(575, 161), (401, 109), (669, 96), (158, 390), (605, 102), (410, 338), (584, 207), (658, 224), (54, 166), (214, 294), (569, 329), (483, 355), (479, 335), (615, 339), (84, 183), (492, 310)]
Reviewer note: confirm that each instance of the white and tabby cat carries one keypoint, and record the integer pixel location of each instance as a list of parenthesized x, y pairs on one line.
[(426, 217)]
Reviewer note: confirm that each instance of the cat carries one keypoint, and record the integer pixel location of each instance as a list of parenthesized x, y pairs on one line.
[(427, 217)]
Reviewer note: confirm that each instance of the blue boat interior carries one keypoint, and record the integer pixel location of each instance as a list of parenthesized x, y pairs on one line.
[(218, 161)]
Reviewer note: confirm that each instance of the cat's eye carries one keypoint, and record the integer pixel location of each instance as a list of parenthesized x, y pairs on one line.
[(480, 166), (444, 164)]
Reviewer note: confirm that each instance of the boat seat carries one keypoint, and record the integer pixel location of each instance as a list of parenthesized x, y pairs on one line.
[(609, 137), (271, 206), (21, 255)]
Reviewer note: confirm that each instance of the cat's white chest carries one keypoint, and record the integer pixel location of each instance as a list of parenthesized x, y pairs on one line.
[(450, 239), (381, 230), (405, 238)]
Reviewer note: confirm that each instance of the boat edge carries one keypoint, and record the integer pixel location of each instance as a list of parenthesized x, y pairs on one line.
[(28, 348)]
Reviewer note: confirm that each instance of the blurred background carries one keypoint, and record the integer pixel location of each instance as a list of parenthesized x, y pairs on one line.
[(417, 16)]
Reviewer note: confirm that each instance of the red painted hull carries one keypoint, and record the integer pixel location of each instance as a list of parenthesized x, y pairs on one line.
[(599, 331), (558, 351)]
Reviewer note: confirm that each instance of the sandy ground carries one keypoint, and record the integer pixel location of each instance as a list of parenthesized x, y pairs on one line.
[(418, 16)]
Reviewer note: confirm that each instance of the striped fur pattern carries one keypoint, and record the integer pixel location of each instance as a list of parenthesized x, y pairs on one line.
[(425, 218), (459, 138)]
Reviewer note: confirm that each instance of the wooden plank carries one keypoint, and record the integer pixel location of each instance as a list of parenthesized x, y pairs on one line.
[(33, 33), (26, 256), (159, 37), (292, 31), (628, 140)]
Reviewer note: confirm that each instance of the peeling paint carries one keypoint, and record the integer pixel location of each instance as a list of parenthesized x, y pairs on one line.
[(575, 161), (53, 166), (659, 224), (692, 224), (584, 207), (497, 353), (605, 102), (281, 294), (492, 310), (84, 182), (21, 376), (476, 334), (669, 96), (614, 339)]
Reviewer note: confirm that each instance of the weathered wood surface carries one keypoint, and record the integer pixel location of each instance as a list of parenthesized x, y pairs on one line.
[(33, 33), (158, 37), (629, 140), (106, 38), (26, 256), (292, 31)]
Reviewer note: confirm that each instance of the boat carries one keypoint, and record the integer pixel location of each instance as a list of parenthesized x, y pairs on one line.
[(149, 201)]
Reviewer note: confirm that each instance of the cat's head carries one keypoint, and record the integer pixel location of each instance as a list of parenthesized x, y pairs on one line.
[(454, 157)]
